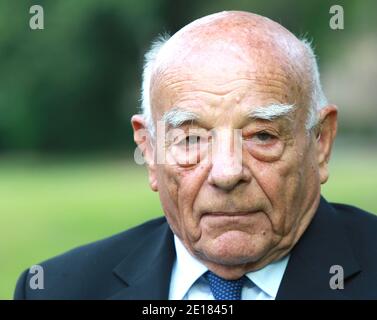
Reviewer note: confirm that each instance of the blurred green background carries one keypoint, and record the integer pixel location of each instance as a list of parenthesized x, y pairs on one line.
[(67, 92)]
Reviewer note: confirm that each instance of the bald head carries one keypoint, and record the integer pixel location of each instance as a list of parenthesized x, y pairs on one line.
[(241, 44), (233, 31)]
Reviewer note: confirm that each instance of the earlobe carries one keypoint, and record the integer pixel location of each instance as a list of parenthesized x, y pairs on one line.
[(153, 183)]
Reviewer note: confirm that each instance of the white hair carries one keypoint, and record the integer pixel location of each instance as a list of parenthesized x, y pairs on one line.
[(149, 61), (317, 98)]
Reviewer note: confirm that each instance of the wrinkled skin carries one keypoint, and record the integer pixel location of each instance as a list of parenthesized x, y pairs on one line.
[(237, 216)]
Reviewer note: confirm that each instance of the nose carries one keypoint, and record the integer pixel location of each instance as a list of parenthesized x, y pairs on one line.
[(227, 166)]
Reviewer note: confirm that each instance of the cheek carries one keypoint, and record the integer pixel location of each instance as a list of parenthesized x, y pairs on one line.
[(178, 189), (291, 185), (168, 193), (282, 182)]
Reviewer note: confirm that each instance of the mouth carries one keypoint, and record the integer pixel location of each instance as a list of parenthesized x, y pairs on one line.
[(229, 213)]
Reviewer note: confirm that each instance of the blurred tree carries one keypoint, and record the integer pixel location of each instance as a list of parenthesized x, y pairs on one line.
[(73, 86)]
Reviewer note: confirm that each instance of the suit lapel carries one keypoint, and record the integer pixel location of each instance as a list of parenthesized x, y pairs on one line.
[(146, 271), (322, 245)]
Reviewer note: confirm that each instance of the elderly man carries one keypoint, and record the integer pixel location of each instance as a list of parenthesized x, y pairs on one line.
[(236, 134)]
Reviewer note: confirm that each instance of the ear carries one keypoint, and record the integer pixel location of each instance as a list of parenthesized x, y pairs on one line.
[(325, 135), (144, 142)]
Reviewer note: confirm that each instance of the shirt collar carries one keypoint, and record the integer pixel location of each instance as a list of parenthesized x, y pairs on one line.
[(187, 270), (268, 278)]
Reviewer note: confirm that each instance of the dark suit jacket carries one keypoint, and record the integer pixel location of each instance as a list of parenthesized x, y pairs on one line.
[(137, 263)]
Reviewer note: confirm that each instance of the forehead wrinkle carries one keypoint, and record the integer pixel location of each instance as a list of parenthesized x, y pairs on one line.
[(181, 90)]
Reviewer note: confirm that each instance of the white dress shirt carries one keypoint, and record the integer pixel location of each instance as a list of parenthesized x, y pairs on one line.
[(187, 283)]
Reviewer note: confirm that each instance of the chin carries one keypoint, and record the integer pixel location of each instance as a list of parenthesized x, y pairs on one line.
[(235, 248)]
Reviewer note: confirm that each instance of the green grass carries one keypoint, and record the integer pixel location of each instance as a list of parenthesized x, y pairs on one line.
[(50, 206)]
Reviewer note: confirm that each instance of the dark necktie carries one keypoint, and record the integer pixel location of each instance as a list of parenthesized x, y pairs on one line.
[(223, 289)]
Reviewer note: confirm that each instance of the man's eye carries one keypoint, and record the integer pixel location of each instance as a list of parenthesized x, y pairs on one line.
[(190, 140), (193, 139), (264, 136)]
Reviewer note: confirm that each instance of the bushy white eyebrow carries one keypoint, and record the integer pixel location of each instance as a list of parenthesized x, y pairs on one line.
[(271, 112), (176, 116)]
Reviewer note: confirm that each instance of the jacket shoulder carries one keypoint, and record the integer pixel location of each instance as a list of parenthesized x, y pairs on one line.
[(361, 229), (71, 275), (356, 218)]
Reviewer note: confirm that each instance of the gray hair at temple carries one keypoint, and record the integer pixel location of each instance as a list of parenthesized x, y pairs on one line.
[(317, 98)]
